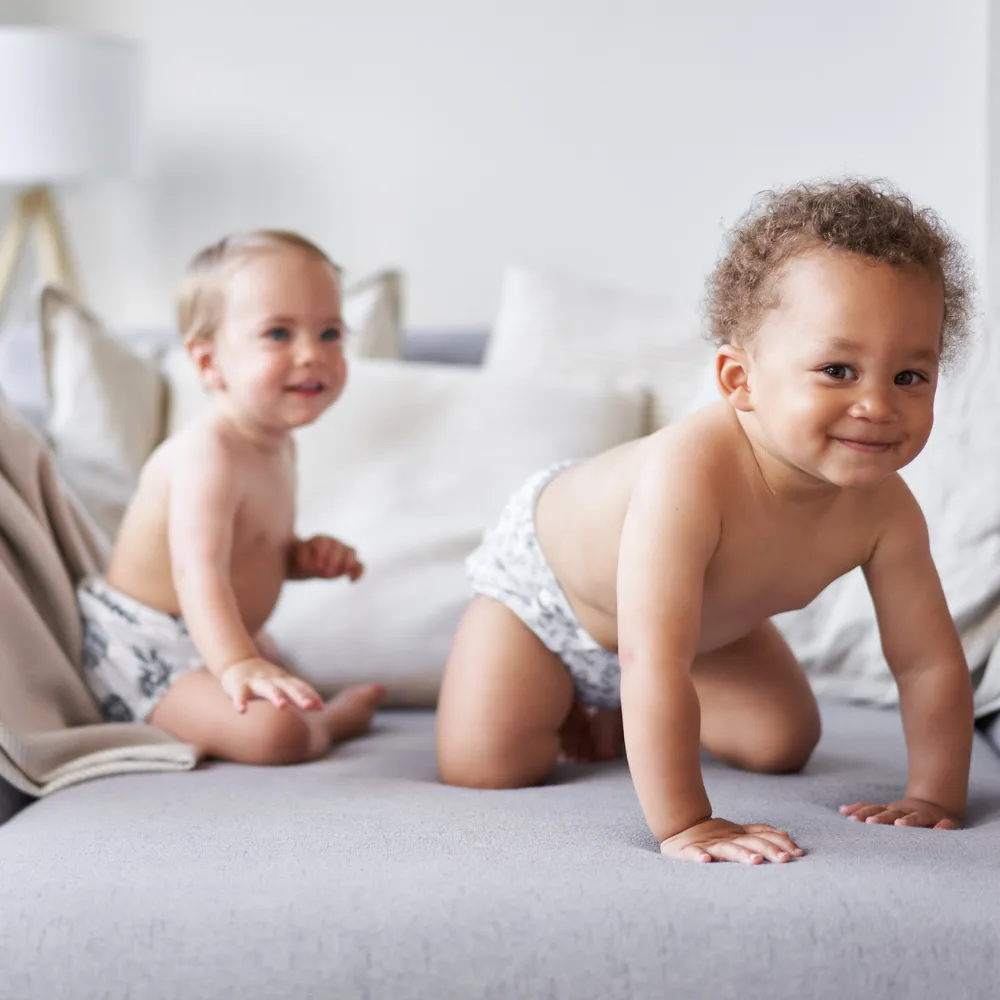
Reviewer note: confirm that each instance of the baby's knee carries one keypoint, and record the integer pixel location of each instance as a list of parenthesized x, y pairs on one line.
[(785, 749), (489, 764), (277, 736)]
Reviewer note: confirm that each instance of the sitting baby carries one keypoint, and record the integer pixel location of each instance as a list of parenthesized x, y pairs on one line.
[(174, 632)]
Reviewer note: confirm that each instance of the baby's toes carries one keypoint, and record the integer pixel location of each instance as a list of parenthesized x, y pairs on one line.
[(350, 713)]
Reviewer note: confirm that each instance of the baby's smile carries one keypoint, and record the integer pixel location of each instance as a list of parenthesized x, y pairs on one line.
[(313, 388), (870, 447)]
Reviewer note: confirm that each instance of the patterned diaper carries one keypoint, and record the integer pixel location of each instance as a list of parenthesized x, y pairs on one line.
[(131, 653), (510, 567)]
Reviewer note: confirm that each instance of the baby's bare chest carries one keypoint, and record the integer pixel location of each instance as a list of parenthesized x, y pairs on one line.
[(265, 522), (765, 565)]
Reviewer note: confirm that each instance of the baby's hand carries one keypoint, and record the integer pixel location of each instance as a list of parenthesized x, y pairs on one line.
[(257, 678), (905, 812), (719, 840), (324, 557)]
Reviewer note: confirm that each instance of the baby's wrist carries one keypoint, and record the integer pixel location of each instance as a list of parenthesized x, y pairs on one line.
[(928, 798), (677, 830), (221, 667)]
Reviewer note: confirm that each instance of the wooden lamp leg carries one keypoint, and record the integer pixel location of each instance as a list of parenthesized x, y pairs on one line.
[(35, 208), (54, 259)]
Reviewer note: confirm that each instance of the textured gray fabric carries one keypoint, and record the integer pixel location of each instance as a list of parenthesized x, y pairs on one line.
[(359, 876)]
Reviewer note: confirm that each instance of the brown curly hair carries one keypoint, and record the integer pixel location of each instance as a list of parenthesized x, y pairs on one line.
[(864, 217)]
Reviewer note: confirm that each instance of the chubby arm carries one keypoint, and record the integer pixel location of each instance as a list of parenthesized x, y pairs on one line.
[(205, 494), (922, 648), (669, 535)]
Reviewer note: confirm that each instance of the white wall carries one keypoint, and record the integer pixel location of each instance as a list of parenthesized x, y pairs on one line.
[(608, 138)]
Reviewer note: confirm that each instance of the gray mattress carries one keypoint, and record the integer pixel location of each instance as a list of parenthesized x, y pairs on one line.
[(360, 876)]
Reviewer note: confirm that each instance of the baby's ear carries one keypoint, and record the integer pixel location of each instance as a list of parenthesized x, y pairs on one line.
[(732, 375), (201, 350)]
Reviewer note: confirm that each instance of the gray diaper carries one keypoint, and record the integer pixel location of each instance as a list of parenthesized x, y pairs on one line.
[(132, 653), (510, 567)]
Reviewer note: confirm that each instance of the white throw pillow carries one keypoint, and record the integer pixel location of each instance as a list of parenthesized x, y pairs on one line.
[(106, 407), (411, 465), (560, 325), (373, 314)]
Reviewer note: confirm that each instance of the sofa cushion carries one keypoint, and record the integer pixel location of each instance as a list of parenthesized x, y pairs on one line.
[(411, 465), (359, 876), (558, 324), (372, 311), (106, 406)]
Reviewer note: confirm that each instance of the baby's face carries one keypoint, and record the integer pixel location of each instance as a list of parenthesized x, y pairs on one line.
[(279, 348), (843, 371)]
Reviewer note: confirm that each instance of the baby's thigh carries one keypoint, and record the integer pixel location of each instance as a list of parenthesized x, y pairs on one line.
[(504, 696), (197, 711), (757, 708)]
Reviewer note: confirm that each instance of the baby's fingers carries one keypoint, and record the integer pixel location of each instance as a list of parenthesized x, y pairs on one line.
[(764, 846), (301, 694), (694, 853), (269, 691), (730, 850), (887, 817), (781, 838), (240, 695), (860, 811), (927, 820)]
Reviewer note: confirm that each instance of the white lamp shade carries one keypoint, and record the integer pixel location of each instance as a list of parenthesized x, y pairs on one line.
[(69, 105)]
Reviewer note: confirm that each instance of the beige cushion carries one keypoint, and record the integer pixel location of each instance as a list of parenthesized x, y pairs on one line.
[(559, 324), (373, 315), (410, 466), (106, 407)]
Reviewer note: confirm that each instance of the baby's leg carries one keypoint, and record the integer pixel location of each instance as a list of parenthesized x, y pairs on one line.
[(503, 699), (197, 711), (757, 709)]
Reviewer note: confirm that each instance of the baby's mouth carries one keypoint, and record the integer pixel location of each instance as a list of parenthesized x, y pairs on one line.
[(866, 447), (306, 388)]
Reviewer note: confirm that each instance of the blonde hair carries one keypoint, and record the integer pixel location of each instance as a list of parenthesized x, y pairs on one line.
[(201, 301)]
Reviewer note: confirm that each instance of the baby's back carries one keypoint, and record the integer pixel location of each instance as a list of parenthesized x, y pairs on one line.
[(140, 561)]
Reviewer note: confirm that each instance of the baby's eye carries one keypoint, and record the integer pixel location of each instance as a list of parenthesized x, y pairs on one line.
[(839, 373), (909, 378), (277, 333), (331, 333)]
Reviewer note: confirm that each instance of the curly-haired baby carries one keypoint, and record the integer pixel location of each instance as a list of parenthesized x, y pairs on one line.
[(633, 591)]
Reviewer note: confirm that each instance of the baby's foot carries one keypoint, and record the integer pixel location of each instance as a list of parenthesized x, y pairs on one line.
[(606, 734), (589, 735), (350, 713)]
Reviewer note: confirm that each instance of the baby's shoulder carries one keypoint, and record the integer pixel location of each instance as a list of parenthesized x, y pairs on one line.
[(204, 442), (700, 448), (888, 504)]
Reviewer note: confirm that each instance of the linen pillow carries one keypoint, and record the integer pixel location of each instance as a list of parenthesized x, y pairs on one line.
[(411, 465), (566, 325), (106, 407), (372, 311)]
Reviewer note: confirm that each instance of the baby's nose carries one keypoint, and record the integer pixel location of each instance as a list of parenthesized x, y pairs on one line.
[(307, 351), (876, 404)]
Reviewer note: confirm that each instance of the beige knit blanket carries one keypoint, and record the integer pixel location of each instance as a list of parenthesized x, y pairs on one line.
[(51, 734)]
